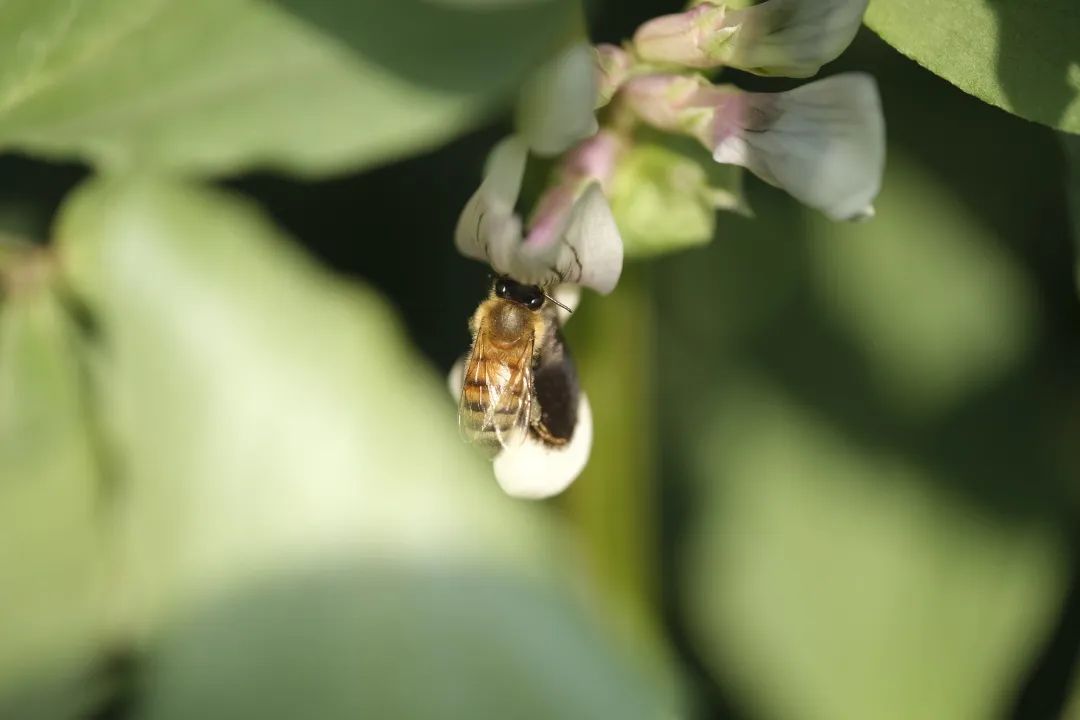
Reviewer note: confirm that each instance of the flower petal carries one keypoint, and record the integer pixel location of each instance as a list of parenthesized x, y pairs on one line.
[(455, 379), (590, 251), (569, 296), (823, 142), (488, 230), (557, 103), (792, 38), (533, 470), (673, 103), (574, 241)]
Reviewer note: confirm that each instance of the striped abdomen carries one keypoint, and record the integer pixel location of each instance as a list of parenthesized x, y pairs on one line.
[(494, 401)]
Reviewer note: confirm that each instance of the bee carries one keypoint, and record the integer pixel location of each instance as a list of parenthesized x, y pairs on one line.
[(519, 380)]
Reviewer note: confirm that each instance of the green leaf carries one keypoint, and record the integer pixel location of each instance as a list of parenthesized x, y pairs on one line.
[(211, 86), (666, 192), (1020, 56), (302, 529), (846, 570), (52, 608), (908, 321)]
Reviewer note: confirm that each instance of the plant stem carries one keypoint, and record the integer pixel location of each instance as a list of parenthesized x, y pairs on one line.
[(613, 504)]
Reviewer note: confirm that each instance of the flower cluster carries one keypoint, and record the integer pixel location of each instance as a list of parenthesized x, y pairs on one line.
[(822, 142)]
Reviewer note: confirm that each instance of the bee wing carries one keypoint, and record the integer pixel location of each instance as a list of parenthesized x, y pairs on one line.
[(514, 403), (496, 395)]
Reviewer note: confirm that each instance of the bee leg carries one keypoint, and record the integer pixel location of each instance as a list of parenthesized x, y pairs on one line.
[(557, 393)]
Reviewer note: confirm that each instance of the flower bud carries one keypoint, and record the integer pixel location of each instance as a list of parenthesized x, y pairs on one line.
[(612, 68), (677, 103), (695, 38), (790, 38)]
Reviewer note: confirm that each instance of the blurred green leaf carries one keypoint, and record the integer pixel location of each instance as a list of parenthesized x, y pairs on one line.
[(214, 86), (1021, 56), (848, 572), (666, 192), (298, 508), (52, 610), (381, 642), (933, 299)]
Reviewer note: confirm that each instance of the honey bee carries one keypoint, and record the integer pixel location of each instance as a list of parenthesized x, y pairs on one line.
[(519, 380)]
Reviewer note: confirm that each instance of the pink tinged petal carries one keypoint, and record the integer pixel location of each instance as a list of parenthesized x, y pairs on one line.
[(573, 237), (595, 158), (612, 69), (488, 229), (556, 107), (665, 101), (551, 217), (696, 38), (823, 142), (533, 470), (792, 38), (583, 247)]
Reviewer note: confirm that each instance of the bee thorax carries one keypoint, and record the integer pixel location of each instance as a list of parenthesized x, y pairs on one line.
[(509, 322)]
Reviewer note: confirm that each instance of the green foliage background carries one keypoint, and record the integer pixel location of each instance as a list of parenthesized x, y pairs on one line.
[(835, 465)]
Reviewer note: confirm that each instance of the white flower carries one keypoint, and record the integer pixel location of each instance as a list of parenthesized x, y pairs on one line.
[(572, 238), (823, 142)]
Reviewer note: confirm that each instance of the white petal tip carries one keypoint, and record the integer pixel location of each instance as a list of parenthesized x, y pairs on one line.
[(456, 377), (568, 295), (534, 471), (863, 215)]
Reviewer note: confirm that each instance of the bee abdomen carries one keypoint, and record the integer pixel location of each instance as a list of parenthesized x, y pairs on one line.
[(485, 421)]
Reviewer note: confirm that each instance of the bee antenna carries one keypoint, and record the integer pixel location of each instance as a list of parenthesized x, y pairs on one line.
[(548, 297)]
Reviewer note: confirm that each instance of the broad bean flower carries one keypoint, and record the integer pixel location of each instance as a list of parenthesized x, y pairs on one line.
[(823, 142)]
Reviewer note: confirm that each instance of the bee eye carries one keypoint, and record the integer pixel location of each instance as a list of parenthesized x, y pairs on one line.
[(500, 288), (535, 303)]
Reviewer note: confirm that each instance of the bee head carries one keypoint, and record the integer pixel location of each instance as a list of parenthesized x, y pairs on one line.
[(530, 296)]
